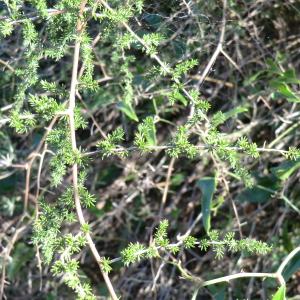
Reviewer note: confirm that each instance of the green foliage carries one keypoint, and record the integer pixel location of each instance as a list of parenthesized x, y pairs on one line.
[(47, 235), (87, 79), (22, 122), (218, 119), (229, 243), (47, 230), (286, 169), (125, 40), (280, 294), (47, 36), (69, 270), (249, 148), (106, 264), (208, 187), (139, 4), (85, 228), (122, 14), (126, 105), (293, 153), (280, 81), (51, 87), (87, 199), (181, 145), (41, 6), (64, 158), (161, 235), (145, 137), (183, 67), (22, 255), (109, 145), (73, 244), (189, 242), (227, 152), (8, 205), (45, 106), (175, 94), (134, 252), (30, 35), (80, 121), (127, 109), (6, 28), (152, 41)]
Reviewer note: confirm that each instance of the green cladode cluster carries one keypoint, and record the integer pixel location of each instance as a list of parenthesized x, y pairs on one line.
[(38, 101)]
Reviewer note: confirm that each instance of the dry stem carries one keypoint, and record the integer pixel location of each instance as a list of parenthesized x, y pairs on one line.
[(72, 102)]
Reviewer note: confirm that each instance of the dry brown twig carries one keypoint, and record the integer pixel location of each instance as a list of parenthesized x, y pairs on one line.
[(167, 185)]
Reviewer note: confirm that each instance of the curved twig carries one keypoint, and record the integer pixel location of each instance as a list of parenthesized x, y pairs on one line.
[(72, 102)]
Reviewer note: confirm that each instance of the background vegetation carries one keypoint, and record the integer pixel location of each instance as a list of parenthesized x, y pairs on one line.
[(186, 111)]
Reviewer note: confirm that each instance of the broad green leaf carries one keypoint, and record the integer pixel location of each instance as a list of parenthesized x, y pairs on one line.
[(292, 267), (101, 98), (128, 111), (253, 78), (284, 90), (286, 169), (261, 192), (256, 194), (287, 238), (148, 131), (208, 187), (218, 291), (289, 76), (151, 137), (273, 67), (178, 96), (227, 115), (235, 111), (280, 294), (154, 20)]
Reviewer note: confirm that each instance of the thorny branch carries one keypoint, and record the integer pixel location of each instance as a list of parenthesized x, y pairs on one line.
[(72, 102)]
